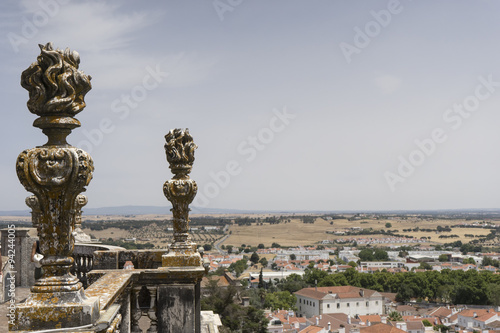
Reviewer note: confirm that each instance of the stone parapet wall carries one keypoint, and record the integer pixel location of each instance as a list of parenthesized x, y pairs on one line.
[(142, 259)]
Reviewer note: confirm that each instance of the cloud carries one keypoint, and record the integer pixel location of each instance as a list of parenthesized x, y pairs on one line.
[(388, 83), (91, 26)]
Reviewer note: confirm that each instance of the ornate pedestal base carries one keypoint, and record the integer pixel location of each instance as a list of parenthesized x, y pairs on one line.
[(177, 308), (181, 256), (178, 297), (54, 310)]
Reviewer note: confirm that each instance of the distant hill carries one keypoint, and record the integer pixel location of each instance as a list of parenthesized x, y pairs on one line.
[(15, 213), (137, 210), (163, 210)]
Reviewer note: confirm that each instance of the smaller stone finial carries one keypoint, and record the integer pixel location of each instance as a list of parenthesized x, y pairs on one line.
[(180, 191), (180, 151), (56, 91)]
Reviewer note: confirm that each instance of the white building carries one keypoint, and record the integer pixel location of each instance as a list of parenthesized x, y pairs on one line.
[(383, 264), (346, 299)]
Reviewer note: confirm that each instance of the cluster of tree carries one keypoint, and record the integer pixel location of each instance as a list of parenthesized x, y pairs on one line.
[(488, 261), (247, 249), (207, 220), (336, 217), (234, 316), (373, 255), (245, 220), (439, 228), (371, 231), (128, 245), (457, 287), (472, 246), (308, 219), (238, 267), (137, 224), (449, 236), (120, 224)]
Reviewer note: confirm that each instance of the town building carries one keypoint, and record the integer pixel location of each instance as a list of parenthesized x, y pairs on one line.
[(349, 300)]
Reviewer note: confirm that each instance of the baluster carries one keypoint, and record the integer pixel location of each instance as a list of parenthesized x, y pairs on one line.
[(136, 311), (152, 310)]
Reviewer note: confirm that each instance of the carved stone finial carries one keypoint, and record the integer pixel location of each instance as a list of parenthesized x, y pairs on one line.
[(56, 174), (180, 151), (180, 191), (56, 91)]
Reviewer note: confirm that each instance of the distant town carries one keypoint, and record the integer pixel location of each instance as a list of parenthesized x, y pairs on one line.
[(348, 273)]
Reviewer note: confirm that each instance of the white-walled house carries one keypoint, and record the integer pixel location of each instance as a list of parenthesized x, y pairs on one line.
[(346, 299), (477, 319)]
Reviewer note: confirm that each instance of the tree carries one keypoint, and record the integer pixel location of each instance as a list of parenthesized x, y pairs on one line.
[(293, 256), (233, 316), (381, 255), (395, 316), (260, 246), (261, 280), (293, 283), (442, 328), (254, 321), (426, 323), (405, 292), (366, 255), (425, 265), (493, 293), (238, 267), (469, 260), (207, 247), (489, 261), (263, 261), (280, 300), (443, 257), (229, 248), (275, 245), (254, 258), (388, 225), (352, 264)]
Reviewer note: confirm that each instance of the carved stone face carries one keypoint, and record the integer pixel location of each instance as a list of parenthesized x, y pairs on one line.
[(51, 167)]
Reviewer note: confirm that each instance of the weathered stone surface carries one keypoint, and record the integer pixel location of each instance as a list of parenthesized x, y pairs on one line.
[(181, 257), (110, 286), (142, 259), (55, 310), (176, 308), (21, 250)]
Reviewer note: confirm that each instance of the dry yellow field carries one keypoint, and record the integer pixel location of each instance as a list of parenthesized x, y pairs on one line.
[(297, 233), (293, 233)]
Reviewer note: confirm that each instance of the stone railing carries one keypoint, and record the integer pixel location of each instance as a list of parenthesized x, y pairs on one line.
[(83, 255), (168, 297)]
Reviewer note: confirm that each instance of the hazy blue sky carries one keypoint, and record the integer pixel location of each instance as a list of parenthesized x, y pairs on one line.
[(314, 105)]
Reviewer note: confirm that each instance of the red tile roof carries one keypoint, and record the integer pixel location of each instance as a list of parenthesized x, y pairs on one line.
[(341, 292)]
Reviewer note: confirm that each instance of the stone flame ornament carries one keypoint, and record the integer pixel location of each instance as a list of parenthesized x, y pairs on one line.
[(56, 91), (180, 191), (56, 173)]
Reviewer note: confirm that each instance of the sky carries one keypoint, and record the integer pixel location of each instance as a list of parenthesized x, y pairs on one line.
[(294, 105)]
